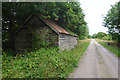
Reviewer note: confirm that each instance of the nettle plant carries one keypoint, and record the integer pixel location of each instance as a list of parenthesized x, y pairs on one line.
[(48, 41)]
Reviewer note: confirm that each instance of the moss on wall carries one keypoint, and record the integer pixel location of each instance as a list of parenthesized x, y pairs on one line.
[(44, 37)]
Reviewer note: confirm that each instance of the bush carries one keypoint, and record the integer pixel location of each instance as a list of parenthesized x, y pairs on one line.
[(108, 37), (42, 63)]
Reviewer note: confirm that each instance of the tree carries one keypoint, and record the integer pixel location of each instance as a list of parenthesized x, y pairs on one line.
[(69, 15), (100, 35), (112, 21), (13, 16), (89, 36), (107, 37), (94, 36)]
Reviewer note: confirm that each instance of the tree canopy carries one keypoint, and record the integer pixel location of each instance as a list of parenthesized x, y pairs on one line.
[(112, 21), (69, 15), (94, 35), (100, 35)]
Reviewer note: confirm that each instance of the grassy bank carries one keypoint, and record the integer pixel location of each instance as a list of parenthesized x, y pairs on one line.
[(111, 47), (43, 63)]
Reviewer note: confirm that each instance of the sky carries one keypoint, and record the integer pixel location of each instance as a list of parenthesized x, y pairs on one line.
[(94, 9)]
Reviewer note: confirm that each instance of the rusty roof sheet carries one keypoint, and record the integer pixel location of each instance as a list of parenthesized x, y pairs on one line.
[(52, 24), (55, 26)]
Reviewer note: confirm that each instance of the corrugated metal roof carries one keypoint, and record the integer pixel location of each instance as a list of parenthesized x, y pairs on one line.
[(51, 24), (55, 26)]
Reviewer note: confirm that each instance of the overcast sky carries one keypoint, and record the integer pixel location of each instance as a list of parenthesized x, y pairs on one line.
[(94, 9)]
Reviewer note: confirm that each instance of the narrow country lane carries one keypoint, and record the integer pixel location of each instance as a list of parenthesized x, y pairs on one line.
[(97, 62)]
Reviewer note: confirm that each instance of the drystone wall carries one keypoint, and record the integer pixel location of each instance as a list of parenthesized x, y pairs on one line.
[(67, 42)]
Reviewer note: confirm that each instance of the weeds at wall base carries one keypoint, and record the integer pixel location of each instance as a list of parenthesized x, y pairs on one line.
[(42, 63)]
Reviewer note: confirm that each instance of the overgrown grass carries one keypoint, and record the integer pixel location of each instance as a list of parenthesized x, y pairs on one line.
[(42, 63), (113, 48)]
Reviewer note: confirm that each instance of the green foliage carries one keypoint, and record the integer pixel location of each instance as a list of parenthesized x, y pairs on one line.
[(38, 43), (89, 36), (68, 15), (100, 35), (42, 63), (94, 36), (115, 37), (107, 37), (112, 21), (113, 48)]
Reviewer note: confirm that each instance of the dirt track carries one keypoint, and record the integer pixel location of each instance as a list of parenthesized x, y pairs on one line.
[(97, 62)]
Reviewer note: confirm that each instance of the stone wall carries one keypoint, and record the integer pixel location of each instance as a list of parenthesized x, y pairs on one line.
[(38, 37), (46, 36), (23, 39), (35, 34), (67, 42)]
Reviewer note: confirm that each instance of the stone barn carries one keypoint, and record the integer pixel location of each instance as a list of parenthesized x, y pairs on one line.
[(38, 32)]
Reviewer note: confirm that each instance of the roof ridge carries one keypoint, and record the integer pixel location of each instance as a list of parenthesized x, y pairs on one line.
[(51, 24)]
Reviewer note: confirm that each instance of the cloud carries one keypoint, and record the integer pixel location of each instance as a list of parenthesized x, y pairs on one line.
[(94, 9)]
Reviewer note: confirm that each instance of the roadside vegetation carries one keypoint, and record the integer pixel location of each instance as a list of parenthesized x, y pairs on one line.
[(102, 35), (42, 63), (68, 15), (110, 45), (108, 41), (112, 21)]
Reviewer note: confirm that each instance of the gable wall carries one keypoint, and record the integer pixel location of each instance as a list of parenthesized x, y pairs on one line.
[(44, 33), (23, 39), (34, 34), (67, 42), (45, 36)]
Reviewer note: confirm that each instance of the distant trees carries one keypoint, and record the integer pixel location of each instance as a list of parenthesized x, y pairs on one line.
[(112, 21), (66, 14), (94, 36), (102, 35), (89, 36), (107, 37)]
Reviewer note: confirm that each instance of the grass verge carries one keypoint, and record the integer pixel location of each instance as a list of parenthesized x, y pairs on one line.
[(113, 48), (43, 63)]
